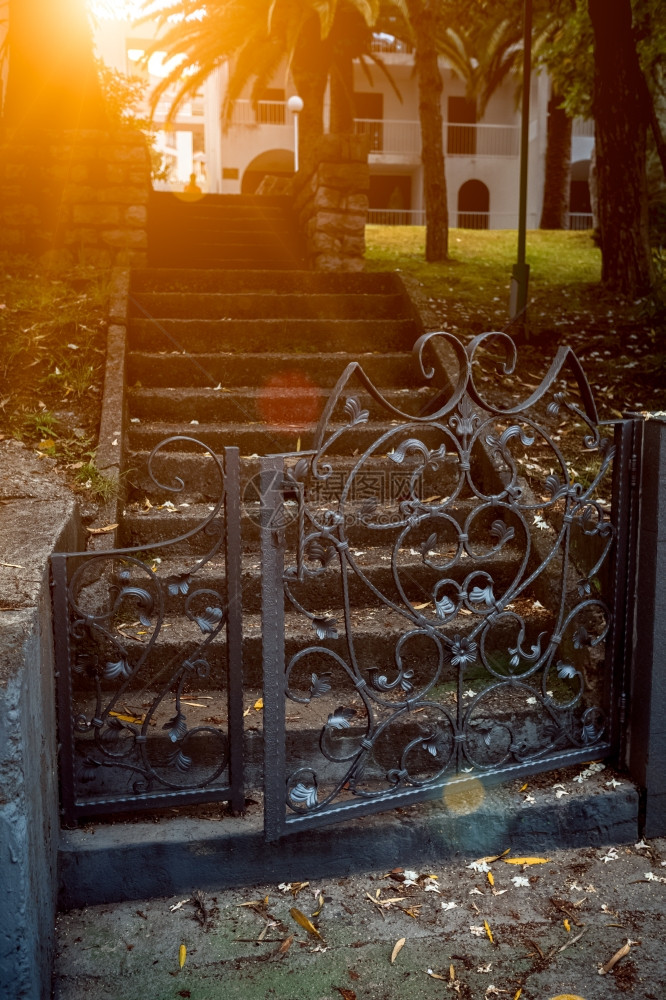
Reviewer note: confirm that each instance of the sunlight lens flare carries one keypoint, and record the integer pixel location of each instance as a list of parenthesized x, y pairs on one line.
[(463, 798)]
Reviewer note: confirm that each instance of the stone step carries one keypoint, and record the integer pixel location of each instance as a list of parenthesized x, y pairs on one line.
[(299, 282), (279, 404), (264, 439), (176, 258), (261, 335), (393, 369), (259, 304)]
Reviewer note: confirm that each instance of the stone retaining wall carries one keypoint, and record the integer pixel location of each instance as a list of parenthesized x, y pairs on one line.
[(331, 202), (78, 195)]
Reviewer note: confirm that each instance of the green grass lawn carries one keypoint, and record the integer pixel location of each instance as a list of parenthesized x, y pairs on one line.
[(481, 260)]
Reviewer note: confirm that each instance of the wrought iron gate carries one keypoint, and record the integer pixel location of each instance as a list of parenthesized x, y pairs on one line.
[(463, 620), (129, 640), (446, 600)]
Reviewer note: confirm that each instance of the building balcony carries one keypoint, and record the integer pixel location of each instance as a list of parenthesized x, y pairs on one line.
[(396, 137)]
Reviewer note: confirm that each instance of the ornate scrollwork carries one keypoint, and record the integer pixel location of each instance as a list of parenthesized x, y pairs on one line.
[(128, 687), (458, 612)]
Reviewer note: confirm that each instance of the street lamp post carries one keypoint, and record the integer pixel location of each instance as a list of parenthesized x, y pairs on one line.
[(520, 274), (295, 105)]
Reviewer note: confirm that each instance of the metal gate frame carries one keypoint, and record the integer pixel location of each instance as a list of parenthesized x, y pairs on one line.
[(286, 811), (152, 790)]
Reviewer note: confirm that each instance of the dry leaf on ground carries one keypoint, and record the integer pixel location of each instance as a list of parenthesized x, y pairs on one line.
[(397, 949)]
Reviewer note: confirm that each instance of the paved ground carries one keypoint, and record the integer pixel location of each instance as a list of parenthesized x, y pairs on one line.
[(553, 925)]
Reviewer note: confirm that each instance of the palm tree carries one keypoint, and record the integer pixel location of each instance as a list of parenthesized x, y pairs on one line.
[(318, 39), (52, 77)]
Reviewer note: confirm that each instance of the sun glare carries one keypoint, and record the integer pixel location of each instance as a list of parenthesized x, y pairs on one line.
[(115, 10)]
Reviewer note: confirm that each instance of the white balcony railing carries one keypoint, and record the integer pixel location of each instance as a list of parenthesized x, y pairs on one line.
[(581, 220), (468, 220), (583, 127), (387, 44), (397, 137), (390, 136), (259, 113)]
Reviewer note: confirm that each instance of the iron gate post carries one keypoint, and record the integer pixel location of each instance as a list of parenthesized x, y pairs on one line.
[(647, 721), (272, 604)]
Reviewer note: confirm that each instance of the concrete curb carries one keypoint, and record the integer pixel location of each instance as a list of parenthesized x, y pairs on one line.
[(39, 515), (108, 864), (108, 458)]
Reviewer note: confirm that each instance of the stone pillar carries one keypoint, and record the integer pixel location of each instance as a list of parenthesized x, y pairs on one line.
[(647, 759), (331, 201), (76, 196)]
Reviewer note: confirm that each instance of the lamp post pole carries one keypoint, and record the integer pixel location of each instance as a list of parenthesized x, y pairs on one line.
[(295, 105), (520, 274)]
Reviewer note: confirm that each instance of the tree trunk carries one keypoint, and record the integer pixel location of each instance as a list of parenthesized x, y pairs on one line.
[(423, 17), (558, 166), (342, 96), (52, 81), (309, 70), (621, 121)]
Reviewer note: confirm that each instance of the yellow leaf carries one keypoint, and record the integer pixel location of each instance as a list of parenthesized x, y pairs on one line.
[(298, 445), (526, 861), (320, 907), (102, 531), (301, 919), (493, 857), (138, 719), (420, 607), (259, 704), (246, 713), (396, 950), (434, 975), (489, 876), (286, 945), (567, 996), (46, 443), (567, 925), (452, 973), (488, 931), (524, 787), (182, 955), (517, 996)]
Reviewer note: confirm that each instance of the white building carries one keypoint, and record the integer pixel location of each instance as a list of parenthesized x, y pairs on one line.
[(482, 154)]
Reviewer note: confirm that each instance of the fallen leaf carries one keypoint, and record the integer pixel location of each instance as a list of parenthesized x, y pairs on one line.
[(526, 861), (488, 931), (320, 906), (434, 975), (620, 953), (477, 931), (182, 955), (137, 719), (412, 911), (449, 906), (11, 565), (517, 996), (567, 925), (523, 787), (102, 531), (489, 876), (258, 705), (452, 973), (177, 906), (301, 919), (286, 945), (397, 949)]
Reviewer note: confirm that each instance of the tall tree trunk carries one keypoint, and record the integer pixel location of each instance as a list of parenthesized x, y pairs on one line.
[(309, 70), (621, 122), (423, 16), (52, 81), (558, 166), (342, 95)]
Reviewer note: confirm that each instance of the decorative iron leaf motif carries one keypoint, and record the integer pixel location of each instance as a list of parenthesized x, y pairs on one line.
[(340, 718), (431, 458), (554, 408), (121, 668), (482, 595), (209, 621), (582, 638), (501, 531), (428, 545), (181, 760), (301, 469), (303, 795), (444, 606), (565, 671), (466, 420), (354, 412), (584, 588), (553, 485), (320, 685), (381, 682), (486, 727), (433, 740), (369, 506), (176, 727), (589, 733), (316, 552), (326, 628), (179, 584), (89, 769), (86, 663)]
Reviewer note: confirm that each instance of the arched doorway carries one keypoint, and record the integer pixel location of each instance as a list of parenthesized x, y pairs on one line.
[(473, 205), (274, 162), (580, 209)]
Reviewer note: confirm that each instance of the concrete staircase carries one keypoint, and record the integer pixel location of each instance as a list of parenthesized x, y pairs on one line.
[(222, 231)]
